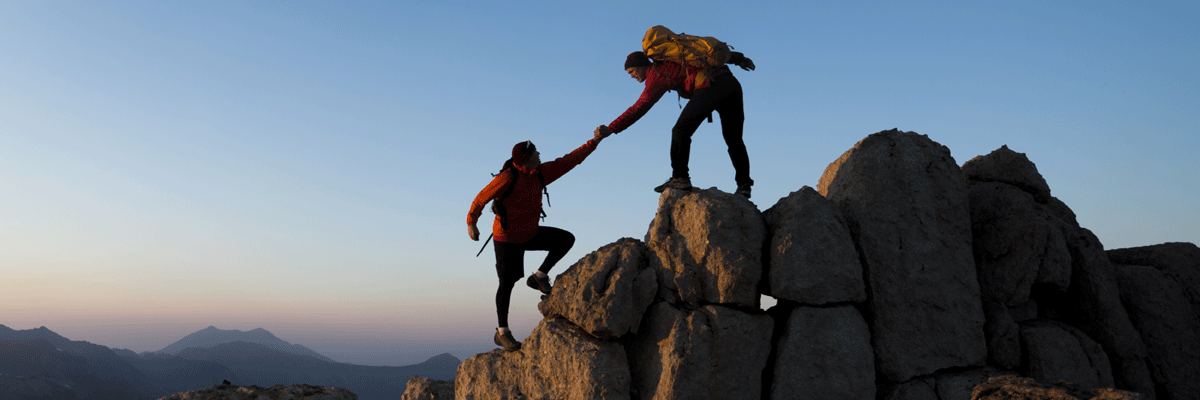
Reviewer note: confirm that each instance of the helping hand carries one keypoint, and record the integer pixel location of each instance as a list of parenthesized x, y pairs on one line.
[(473, 232), (602, 132)]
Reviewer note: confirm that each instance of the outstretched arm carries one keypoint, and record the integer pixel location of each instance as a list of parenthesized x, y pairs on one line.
[(739, 59), (553, 170)]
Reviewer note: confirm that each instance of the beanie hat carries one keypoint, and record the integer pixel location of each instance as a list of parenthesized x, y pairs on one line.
[(636, 59), (521, 152)]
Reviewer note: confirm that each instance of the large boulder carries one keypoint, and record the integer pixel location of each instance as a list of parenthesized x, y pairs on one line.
[(811, 257), (1010, 235), (1011, 168), (1159, 309), (419, 388), (557, 361), (1179, 262), (905, 201), (1093, 305), (824, 353), (1055, 351), (605, 292), (1011, 387), (707, 247), (712, 352)]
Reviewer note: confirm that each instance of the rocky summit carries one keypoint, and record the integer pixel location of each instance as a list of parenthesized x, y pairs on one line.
[(901, 276)]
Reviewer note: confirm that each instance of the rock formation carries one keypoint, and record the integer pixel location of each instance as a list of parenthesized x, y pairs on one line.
[(226, 391), (901, 277), (419, 388)]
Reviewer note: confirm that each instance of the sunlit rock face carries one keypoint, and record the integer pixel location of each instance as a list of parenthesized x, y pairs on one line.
[(905, 202)]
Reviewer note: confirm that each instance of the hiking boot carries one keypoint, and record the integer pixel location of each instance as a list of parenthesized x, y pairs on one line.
[(675, 183), (539, 283), (506, 341), (743, 190)]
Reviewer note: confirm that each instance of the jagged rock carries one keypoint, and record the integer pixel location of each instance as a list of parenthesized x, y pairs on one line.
[(1157, 305), (824, 353), (811, 255), (905, 201), (1055, 269), (1055, 351), (1178, 261), (419, 388), (1093, 305), (940, 386), (712, 352), (605, 292), (1003, 336), (1009, 167), (557, 361), (708, 247), (1010, 387), (1009, 234), (277, 392)]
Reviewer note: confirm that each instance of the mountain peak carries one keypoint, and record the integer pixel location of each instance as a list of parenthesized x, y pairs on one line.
[(213, 336)]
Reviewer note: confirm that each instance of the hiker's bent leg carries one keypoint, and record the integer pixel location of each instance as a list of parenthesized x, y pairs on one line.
[(510, 267), (557, 241), (733, 118)]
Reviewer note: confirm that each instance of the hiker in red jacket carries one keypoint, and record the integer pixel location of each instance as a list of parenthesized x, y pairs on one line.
[(517, 192), (722, 93)]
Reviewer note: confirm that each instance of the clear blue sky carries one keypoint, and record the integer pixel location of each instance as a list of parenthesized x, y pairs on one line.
[(306, 167)]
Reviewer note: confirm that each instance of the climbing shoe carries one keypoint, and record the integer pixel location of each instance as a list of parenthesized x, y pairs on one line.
[(743, 190), (506, 341), (675, 183), (539, 283)]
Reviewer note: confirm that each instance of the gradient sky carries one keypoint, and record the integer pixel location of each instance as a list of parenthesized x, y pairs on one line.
[(306, 167)]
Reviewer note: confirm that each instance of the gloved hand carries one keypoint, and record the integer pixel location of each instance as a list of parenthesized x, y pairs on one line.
[(747, 64), (473, 232)]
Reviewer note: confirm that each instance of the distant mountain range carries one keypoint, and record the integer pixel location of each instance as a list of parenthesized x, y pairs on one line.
[(38, 363), (211, 336)]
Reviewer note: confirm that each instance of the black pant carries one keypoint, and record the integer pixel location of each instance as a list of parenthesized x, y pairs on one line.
[(510, 262), (723, 95)]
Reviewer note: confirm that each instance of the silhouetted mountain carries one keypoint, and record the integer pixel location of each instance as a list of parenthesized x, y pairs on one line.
[(211, 336), (89, 370), (260, 365), (176, 374)]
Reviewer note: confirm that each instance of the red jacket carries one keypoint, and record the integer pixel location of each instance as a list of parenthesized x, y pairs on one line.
[(524, 205), (661, 77)]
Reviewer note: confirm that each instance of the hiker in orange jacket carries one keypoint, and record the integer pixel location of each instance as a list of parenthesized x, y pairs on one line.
[(722, 93), (517, 192)]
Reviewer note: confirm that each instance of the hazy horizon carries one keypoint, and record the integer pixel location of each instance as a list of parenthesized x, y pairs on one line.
[(306, 167)]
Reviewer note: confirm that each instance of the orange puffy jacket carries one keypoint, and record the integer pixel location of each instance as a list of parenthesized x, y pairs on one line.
[(524, 205)]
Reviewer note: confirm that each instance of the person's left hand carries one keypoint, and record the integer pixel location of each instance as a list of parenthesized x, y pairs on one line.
[(747, 65)]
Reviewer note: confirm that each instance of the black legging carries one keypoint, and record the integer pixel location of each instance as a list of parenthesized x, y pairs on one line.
[(723, 95), (510, 262)]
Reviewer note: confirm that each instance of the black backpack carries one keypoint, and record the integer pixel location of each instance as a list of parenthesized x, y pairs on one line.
[(498, 203)]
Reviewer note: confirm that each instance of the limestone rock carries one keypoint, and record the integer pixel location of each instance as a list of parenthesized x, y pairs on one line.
[(277, 392), (1054, 352), (605, 292), (1009, 167), (1003, 336), (1093, 305), (811, 255), (419, 388), (556, 361), (824, 353), (1157, 305), (1178, 261), (1011, 387), (707, 247), (906, 203), (713, 352)]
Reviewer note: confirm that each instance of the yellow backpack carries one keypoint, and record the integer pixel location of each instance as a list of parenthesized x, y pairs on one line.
[(703, 52)]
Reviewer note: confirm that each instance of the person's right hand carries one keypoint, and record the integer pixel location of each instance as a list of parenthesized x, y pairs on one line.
[(747, 65), (473, 232)]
